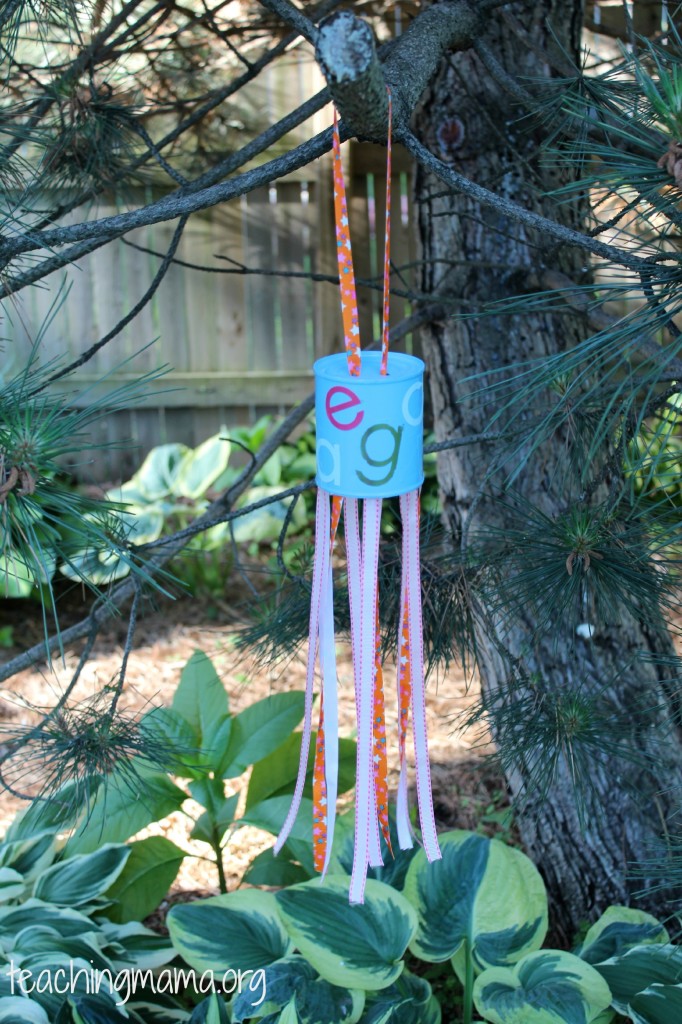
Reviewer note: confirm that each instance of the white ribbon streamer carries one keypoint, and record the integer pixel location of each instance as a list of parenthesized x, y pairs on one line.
[(321, 570), (409, 507)]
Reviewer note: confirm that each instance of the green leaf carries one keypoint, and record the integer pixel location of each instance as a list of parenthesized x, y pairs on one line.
[(276, 774), (16, 579), (220, 810), (133, 944), (201, 467), (458, 899), (210, 1011), (29, 856), (82, 878), (33, 912), (239, 930), (201, 700), (278, 872), (125, 806), (638, 969), (264, 525), (658, 1004), (60, 811), (546, 987), (351, 946), (619, 929), (95, 1010), (156, 476), (411, 1001), (259, 729), (167, 726), (11, 884), (271, 814), (17, 1010), (316, 1001), (146, 878)]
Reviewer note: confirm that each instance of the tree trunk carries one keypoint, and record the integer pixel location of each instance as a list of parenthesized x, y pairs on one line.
[(475, 255)]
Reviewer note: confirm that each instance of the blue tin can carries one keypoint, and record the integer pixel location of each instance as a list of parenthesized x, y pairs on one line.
[(370, 427)]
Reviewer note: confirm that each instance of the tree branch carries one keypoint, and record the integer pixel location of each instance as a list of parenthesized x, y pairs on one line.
[(512, 210), (357, 80), (219, 511)]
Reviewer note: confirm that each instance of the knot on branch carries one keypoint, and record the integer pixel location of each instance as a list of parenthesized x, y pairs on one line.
[(346, 53), (357, 78)]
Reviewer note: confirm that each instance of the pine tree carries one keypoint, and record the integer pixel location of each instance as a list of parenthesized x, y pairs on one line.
[(548, 188)]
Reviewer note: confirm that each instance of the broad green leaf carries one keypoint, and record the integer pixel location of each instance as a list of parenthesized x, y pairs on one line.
[(96, 1010), (124, 806), (16, 579), (201, 467), (60, 811), (271, 814), (316, 1001), (259, 729), (638, 969), (143, 525), (211, 1011), (82, 878), (458, 899), (36, 949), (11, 884), (239, 930), (411, 1003), (146, 878), (276, 774), (264, 525), (17, 1010), (546, 987), (167, 726), (202, 701), (133, 945), (394, 869), (36, 912), (357, 946), (658, 1004), (156, 476), (220, 810), (278, 872), (29, 856), (619, 929)]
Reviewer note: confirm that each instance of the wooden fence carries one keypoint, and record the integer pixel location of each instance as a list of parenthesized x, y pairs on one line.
[(237, 344)]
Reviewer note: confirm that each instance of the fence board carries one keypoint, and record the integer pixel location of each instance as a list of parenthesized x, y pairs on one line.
[(237, 345)]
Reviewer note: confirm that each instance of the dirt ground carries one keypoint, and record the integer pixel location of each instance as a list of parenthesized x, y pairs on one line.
[(466, 789)]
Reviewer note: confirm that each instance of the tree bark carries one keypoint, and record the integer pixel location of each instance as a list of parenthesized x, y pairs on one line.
[(477, 255)]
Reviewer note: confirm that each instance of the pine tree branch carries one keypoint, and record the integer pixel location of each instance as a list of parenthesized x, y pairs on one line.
[(219, 511), (292, 16), (575, 299), (171, 207), (508, 208)]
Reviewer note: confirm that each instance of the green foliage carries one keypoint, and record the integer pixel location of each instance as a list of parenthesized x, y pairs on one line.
[(55, 917), (460, 915), (45, 524), (547, 987), (324, 961), (210, 744)]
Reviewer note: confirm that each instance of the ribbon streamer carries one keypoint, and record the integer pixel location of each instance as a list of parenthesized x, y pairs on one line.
[(353, 433)]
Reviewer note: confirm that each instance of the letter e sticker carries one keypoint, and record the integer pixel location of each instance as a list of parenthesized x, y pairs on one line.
[(348, 401)]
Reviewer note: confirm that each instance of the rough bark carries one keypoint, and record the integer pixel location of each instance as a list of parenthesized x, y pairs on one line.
[(479, 255)]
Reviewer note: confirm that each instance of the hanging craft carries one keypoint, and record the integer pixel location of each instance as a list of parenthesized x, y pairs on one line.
[(369, 413)]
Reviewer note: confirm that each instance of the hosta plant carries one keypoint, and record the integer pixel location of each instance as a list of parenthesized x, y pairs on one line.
[(64, 958)]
